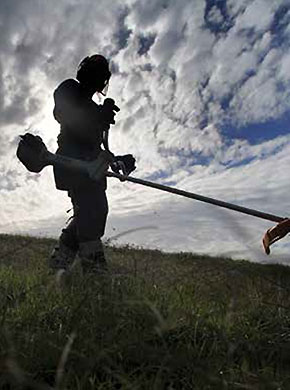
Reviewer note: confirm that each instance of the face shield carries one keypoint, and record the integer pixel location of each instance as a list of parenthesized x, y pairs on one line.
[(105, 88)]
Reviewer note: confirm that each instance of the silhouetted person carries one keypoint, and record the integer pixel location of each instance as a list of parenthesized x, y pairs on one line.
[(84, 129)]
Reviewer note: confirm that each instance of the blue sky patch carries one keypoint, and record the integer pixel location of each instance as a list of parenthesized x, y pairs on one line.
[(255, 133), (145, 42), (217, 26), (280, 23)]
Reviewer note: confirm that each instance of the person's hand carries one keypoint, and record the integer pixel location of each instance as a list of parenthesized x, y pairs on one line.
[(124, 164), (108, 112)]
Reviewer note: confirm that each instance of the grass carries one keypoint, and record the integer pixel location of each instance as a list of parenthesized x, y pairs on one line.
[(157, 321)]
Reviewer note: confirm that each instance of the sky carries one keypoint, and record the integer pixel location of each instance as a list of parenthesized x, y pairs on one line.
[(204, 92)]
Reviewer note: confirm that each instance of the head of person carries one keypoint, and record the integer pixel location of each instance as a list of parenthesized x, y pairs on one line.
[(94, 73)]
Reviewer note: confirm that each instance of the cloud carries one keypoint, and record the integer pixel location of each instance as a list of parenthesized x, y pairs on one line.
[(215, 16)]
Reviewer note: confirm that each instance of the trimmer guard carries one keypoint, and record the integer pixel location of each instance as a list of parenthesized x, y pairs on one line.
[(275, 234)]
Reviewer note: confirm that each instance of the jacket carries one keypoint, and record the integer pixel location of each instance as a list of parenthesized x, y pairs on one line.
[(81, 132)]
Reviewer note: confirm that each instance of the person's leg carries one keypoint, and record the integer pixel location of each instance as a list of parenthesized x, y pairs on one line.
[(64, 253), (91, 216)]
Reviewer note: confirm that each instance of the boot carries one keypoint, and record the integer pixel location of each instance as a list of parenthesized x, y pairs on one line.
[(61, 258), (92, 257)]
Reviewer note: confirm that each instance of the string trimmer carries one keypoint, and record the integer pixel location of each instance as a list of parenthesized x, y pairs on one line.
[(33, 153)]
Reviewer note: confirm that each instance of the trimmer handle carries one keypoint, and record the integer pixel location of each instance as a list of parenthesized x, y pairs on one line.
[(110, 104)]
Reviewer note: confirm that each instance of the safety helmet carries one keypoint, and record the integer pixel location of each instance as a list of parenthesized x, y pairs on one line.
[(94, 71)]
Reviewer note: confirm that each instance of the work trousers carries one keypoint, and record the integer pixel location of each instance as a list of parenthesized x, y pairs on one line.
[(90, 208)]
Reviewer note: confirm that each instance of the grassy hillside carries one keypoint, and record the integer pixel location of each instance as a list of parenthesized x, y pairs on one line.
[(157, 321)]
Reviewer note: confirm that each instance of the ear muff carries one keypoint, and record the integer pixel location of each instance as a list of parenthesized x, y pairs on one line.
[(83, 63)]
